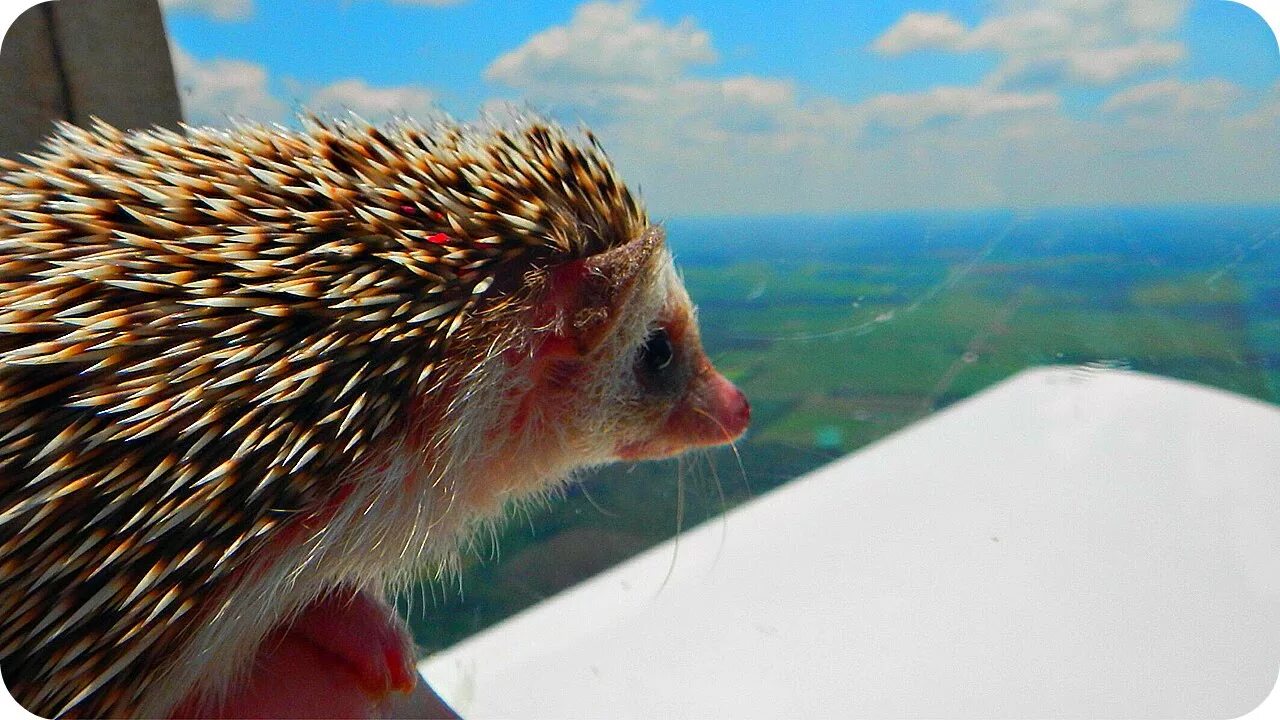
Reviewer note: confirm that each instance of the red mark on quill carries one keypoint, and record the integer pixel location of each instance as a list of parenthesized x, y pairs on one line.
[(438, 239)]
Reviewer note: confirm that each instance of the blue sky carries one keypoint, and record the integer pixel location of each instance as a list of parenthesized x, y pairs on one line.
[(714, 107)]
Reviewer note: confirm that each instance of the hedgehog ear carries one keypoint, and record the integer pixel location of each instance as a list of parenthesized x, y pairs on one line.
[(593, 293)]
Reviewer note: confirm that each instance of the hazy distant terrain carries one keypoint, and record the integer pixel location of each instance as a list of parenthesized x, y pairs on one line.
[(844, 329)]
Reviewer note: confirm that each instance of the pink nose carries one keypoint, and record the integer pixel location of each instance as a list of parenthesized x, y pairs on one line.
[(733, 410), (714, 412)]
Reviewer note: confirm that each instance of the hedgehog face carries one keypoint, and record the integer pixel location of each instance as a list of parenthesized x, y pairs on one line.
[(619, 371), (611, 367), (676, 399)]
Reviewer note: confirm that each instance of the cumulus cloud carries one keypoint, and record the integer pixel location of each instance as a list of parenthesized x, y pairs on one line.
[(214, 90), (1051, 42), (615, 65), (1087, 66), (604, 42), (1037, 28), (1264, 116), (236, 10), (698, 141), (701, 143), (1109, 65), (1040, 24), (758, 91), (631, 78), (712, 143), (916, 109), (920, 30), (371, 103), (1174, 97), (224, 10), (1154, 16)]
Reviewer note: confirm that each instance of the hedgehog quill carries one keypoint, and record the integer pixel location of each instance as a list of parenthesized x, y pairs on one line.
[(251, 379)]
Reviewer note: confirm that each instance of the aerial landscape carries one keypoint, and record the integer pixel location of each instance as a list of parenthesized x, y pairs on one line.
[(844, 329)]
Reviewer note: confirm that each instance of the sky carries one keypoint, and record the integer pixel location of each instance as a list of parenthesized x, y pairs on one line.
[(714, 107)]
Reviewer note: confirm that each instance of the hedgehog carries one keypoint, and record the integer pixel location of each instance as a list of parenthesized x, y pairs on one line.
[(252, 379)]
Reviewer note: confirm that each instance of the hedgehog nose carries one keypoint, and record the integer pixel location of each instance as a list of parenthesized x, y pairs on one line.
[(732, 409)]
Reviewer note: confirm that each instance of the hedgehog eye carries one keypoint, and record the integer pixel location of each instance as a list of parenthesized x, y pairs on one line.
[(656, 353)]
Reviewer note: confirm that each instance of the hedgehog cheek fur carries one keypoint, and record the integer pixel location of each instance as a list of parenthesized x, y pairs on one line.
[(585, 395), (572, 396)]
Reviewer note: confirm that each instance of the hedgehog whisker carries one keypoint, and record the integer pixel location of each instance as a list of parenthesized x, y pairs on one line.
[(586, 493), (731, 443), (675, 541)]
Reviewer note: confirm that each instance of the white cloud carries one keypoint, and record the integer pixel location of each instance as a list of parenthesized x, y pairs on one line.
[(371, 103), (1087, 66), (214, 90), (916, 109), (1051, 42), (224, 10), (1027, 30), (1109, 65), (630, 77), (617, 66), (1039, 24), (1154, 16), (920, 30), (758, 91), (1263, 116), (236, 10), (604, 42), (1175, 97), (1022, 159), (697, 143), (218, 90), (742, 142)]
